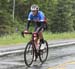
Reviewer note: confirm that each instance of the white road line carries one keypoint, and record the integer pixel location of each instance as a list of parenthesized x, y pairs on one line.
[(54, 45), (11, 52), (11, 63), (62, 44)]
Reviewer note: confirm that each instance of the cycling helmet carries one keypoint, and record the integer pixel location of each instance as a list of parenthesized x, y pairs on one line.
[(34, 7)]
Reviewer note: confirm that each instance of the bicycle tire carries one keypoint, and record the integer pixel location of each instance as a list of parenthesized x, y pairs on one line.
[(25, 53), (41, 59)]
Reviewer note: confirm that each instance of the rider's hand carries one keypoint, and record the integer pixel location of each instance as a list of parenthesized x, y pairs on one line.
[(26, 31)]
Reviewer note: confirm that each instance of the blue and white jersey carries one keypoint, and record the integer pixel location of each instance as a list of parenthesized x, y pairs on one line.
[(39, 17)]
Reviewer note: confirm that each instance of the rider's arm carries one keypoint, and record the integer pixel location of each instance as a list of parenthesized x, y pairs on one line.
[(42, 16), (43, 20), (28, 24)]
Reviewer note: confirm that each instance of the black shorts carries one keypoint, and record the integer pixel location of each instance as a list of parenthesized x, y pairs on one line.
[(39, 27)]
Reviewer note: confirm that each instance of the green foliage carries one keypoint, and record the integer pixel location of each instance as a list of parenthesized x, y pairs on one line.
[(60, 14), (63, 19), (73, 14), (16, 38), (7, 25)]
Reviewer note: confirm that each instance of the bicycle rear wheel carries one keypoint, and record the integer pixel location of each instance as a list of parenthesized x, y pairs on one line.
[(29, 54), (43, 52)]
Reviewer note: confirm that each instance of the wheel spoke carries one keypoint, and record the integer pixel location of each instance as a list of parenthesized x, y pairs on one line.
[(43, 52), (28, 54)]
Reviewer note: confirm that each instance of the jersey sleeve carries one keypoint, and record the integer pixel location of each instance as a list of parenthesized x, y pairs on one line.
[(42, 17), (29, 16)]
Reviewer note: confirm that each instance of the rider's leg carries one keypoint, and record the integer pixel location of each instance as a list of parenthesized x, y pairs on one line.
[(37, 48), (42, 41), (36, 40), (41, 36)]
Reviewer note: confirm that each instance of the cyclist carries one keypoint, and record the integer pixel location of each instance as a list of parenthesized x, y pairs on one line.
[(39, 19)]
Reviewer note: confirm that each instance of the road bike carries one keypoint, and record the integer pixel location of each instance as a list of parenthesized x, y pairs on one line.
[(30, 50)]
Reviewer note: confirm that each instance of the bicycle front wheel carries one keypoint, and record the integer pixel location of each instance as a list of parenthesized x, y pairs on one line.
[(43, 52), (29, 54)]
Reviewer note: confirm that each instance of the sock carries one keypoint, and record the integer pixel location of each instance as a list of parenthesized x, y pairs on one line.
[(42, 40)]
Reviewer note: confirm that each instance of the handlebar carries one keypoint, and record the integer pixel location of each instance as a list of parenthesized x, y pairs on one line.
[(22, 33)]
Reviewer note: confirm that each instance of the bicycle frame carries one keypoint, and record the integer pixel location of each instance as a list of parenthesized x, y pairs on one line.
[(35, 51), (35, 36)]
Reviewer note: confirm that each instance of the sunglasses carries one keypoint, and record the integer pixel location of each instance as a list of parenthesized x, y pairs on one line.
[(33, 11)]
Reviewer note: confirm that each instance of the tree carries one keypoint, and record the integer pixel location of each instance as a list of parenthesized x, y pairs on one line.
[(60, 14), (63, 20), (73, 7)]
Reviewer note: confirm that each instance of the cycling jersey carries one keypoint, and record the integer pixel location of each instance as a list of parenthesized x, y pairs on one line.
[(39, 17), (39, 20)]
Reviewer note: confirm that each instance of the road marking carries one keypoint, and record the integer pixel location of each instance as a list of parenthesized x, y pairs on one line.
[(11, 63), (64, 65), (11, 52)]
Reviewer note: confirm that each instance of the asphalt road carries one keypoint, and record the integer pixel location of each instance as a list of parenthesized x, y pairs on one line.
[(57, 55)]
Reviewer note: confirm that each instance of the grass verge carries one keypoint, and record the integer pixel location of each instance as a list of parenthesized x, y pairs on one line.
[(17, 38)]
